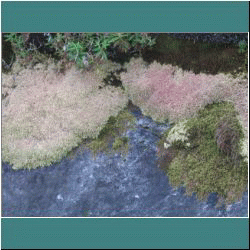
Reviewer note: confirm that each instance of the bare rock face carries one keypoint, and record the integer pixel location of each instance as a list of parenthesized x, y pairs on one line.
[(227, 138)]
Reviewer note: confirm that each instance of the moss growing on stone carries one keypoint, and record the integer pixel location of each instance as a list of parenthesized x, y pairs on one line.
[(111, 138), (202, 167), (120, 143)]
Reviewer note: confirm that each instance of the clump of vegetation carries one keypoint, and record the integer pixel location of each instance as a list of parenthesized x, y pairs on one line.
[(111, 138), (227, 137), (49, 114), (121, 144), (28, 48), (166, 92), (213, 161), (18, 44), (243, 46), (81, 48)]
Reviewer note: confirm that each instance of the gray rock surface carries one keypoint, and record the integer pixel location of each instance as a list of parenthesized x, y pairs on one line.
[(130, 186)]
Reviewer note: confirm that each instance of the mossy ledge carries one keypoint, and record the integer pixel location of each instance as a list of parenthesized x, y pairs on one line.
[(197, 162), (112, 138)]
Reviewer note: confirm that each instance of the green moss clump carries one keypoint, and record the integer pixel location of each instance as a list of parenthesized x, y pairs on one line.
[(203, 168), (109, 128), (121, 144), (111, 138)]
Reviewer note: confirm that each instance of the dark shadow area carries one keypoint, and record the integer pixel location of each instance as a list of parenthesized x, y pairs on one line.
[(8, 56), (199, 56)]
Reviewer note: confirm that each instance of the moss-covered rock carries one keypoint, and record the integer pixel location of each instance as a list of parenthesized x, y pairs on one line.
[(201, 163), (112, 138), (121, 143)]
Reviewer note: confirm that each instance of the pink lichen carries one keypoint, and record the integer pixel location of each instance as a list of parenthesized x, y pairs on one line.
[(167, 92)]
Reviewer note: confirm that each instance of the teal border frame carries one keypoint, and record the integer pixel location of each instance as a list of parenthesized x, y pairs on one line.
[(227, 233), (120, 16), (130, 233)]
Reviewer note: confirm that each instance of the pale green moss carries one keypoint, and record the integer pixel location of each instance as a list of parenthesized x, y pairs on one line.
[(177, 133), (244, 141), (97, 146), (244, 148)]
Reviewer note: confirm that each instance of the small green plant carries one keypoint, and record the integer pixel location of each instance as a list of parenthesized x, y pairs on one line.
[(17, 43), (86, 46), (76, 52), (100, 47), (243, 49), (122, 41), (242, 46), (58, 42), (83, 48), (25, 54)]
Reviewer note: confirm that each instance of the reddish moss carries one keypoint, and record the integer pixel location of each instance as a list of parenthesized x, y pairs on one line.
[(227, 138)]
